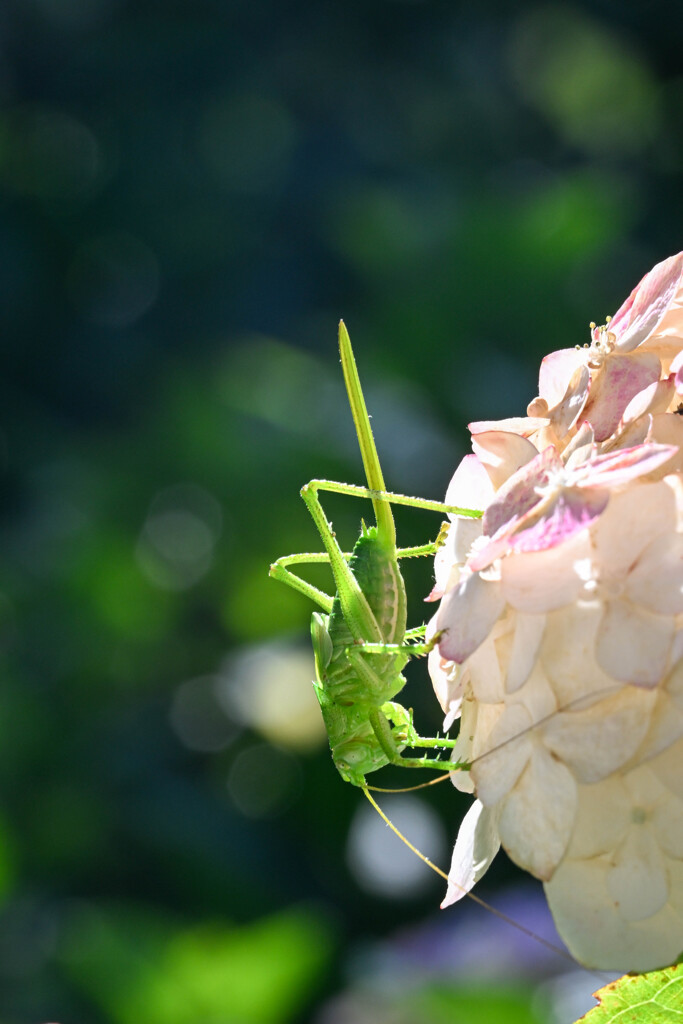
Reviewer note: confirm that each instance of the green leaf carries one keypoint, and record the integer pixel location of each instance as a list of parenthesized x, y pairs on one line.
[(138, 967), (653, 998)]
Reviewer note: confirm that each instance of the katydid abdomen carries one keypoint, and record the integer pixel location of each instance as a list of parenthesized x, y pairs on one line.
[(352, 687)]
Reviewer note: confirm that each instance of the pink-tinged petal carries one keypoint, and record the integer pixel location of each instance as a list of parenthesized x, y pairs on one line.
[(520, 492), (566, 412), (651, 301), (556, 372), (541, 581), (447, 678), (476, 846), (637, 882), (632, 644), (526, 640), (502, 454), (625, 465), (537, 819), (470, 485), (573, 510), (467, 615), (656, 580), (613, 387), (599, 740), (655, 398), (523, 426)]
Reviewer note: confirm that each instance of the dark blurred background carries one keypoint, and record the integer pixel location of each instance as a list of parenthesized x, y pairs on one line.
[(192, 192)]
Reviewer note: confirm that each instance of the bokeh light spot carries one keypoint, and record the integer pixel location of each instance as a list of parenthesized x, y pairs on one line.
[(269, 688), (380, 862), (177, 543), (593, 86)]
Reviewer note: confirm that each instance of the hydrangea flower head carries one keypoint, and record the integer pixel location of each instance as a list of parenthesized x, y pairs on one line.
[(561, 636)]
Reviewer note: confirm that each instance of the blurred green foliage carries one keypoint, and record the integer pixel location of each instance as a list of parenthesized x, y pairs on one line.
[(192, 192)]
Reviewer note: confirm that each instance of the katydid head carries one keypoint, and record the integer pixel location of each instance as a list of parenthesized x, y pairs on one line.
[(373, 471)]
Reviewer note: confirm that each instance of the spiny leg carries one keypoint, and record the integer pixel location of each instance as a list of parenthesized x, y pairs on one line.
[(387, 737), (279, 571), (387, 740), (392, 498)]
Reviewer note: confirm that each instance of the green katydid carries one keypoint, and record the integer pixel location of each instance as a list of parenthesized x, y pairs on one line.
[(360, 642)]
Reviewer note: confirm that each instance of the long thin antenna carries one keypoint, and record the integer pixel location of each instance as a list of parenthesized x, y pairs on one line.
[(412, 789), (482, 903)]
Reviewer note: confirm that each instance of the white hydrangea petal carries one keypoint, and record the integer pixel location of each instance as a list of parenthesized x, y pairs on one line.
[(656, 580), (637, 880), (502, 454), (665, 728), (556, 372), (526, 641), (667, 767), (477, 723), (541, 581), (603, 818), (632, 644), (643, 787), (631, 521), (470, 485), (467, 614), (477, 844), (498, 765), (668, 429), (537, 818), (595, 931), (485, 675), (567, 411), (667, 822), (568, 655), (598, 740)]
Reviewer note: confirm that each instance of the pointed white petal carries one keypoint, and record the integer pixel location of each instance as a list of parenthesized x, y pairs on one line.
[(476, 846)]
